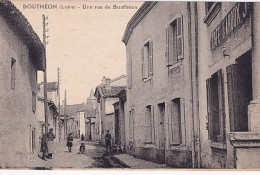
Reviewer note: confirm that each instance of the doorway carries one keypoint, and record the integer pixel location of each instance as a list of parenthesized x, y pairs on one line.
[(162, 137)]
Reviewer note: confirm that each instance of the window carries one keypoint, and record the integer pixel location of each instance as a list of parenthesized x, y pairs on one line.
[(33, 101), (208, 6), (216, 107), (13, 65), (147, 60), (149, 124), (174, 41), (175, 122), (131, 125), (211, 10)]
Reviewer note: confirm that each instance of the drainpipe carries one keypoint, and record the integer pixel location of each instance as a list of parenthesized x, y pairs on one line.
[(191, 76), (193, 60), (197, 83)]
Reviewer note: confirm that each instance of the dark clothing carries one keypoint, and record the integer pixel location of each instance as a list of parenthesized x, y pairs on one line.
[(82, 148), (44, 147), (82, 137), (108, 141), (69, 141), (50, 136)]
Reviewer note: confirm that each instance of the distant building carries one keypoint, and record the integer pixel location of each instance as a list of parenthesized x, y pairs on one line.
[(107, 94), (74, 114), (121, 121), (53, 111), (21, 55), (91, 112)]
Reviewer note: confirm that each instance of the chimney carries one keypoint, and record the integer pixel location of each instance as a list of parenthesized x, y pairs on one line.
[(106, 81)]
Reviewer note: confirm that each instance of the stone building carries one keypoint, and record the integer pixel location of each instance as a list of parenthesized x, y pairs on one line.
[(228, 84), (107, 94), (159, 52), (90, 117), (53, 111), (21, 55), (120, 120)]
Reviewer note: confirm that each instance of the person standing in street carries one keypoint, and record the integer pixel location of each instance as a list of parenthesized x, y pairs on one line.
[(50, 143), (108, 141), (44, 148), (69, 142)]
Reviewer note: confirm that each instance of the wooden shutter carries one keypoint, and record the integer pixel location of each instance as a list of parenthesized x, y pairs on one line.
[(176, 120), (237, 91), (222, 122), (143, 64), (169, 114), (148, 125), (167, 56), (152, 125), (150, 70), (179, 38), (209, 107)]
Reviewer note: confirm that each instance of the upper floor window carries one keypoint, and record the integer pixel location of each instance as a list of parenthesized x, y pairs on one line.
[(174, 41), (33, 101), (147, 60), (211, 11), (13, 67)]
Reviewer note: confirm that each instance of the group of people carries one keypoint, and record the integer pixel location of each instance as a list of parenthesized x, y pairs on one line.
[(70, 144), (47, 145)]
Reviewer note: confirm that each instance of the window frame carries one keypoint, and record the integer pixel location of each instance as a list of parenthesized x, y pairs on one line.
[(149, 125), (147, 59), (171, 42), (221, 137)]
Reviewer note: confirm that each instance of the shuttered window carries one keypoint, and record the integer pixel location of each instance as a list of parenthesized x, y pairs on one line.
[(216, 107), (175, 121), (149, 124), (174, 41), (147, 60)]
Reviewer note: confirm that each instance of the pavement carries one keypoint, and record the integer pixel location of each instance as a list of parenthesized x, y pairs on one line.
[(94, 157), (135, 163)]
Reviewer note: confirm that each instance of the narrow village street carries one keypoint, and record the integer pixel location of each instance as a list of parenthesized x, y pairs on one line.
[(94, 157)]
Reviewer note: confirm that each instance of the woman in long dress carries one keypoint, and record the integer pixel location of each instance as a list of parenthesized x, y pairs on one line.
[(69, 142), (50, 142)]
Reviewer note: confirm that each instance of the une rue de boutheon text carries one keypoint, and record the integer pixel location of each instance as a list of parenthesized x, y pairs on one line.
[(83, 6)]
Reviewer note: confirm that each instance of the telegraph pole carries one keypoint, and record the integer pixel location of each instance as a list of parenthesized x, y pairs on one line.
[(59, 76), (44, 18), (65, 114)]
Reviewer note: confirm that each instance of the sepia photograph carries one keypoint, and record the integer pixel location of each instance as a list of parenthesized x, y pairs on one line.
[(128, 85)]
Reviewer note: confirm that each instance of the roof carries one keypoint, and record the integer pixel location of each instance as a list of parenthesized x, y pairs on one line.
[(112, 91), (73, 109), (21, 27), (90, 113), (138, 16), (51, 86)]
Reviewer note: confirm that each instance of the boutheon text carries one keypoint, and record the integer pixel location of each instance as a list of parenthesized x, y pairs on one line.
[(235, 17)]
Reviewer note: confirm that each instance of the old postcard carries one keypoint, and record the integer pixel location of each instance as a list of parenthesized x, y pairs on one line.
[(130, 85)]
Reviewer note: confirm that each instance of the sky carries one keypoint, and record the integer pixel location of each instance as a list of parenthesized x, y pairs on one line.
[(84, 43)]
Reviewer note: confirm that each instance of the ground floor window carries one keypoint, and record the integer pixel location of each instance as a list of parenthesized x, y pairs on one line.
[(175, 122), (149, 124), (216, 107)]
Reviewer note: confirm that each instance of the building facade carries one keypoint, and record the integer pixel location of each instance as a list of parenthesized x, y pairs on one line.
[(159, 95), (107, 94), (229, 84), (21, 55)]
